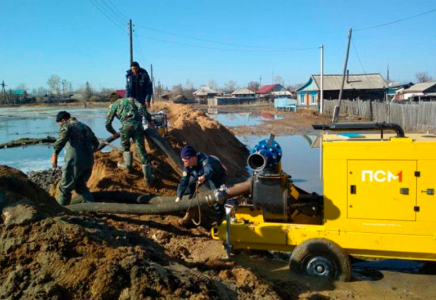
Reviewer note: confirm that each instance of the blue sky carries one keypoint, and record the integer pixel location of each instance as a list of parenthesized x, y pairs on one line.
[(76, 41)]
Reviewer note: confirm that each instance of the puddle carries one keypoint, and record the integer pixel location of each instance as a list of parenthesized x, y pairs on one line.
[(234, 119)]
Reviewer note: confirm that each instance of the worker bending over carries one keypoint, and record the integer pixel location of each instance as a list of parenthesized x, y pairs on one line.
[(80, 143), (199, 168), (131, 114)]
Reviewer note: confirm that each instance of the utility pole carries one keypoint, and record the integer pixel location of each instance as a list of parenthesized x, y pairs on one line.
[(63, 89), (321, 94), (4, 91), (152, 81), (131, 40), (338, 107), (260, 81)]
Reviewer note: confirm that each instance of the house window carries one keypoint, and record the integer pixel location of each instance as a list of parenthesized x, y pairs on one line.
[(313, 100), (301, 99)]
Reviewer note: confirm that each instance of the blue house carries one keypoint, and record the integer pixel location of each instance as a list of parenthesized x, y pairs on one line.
[(362, 86)]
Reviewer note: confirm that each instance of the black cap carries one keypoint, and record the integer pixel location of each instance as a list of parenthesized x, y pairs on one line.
[(62, 115), (187, 152), (134, 64)]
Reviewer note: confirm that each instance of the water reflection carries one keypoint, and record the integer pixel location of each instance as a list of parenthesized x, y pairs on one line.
[(234, 119)]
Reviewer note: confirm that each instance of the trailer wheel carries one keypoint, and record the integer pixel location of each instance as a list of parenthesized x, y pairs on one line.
[(321, 257)]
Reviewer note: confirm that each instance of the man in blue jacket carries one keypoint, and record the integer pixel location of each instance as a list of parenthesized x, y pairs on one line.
[(199, 168), (138, 84)]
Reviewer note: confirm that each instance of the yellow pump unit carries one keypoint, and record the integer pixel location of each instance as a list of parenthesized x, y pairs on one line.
[(379, 201)]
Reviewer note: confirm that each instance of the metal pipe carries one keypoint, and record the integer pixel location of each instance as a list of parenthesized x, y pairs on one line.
[(361, 127)]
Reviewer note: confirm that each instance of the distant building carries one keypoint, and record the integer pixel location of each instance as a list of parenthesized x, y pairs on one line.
[(364, 87), (425, 91), (395, 90), (204, 93), (243, 93), (267, 91), (121, 93)]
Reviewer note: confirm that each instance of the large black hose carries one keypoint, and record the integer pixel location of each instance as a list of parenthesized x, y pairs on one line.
[(165, 205), (153, 134)]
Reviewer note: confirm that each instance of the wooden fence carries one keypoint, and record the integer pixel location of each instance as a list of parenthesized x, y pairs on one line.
[(412, 117)]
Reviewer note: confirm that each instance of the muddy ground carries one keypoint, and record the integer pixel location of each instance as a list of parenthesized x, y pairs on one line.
[(47, 252)]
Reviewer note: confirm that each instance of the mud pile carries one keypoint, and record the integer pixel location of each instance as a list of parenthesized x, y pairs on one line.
[(59, 255), (187, 126)]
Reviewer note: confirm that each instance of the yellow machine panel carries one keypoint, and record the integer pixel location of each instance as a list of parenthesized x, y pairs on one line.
[(382, 189), (426, 198)]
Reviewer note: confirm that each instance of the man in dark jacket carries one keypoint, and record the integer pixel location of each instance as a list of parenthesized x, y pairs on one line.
[(199, 168), (139, 85), (80, 143)]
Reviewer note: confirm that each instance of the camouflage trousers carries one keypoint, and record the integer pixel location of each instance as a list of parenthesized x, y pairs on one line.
[(136, 133), (74, 178)]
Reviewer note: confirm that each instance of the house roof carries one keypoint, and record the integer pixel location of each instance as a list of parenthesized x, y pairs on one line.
[(266, 89), (121, 93), (243, 92), (204, 91), (354, 82), (282, 93), (420, 87)]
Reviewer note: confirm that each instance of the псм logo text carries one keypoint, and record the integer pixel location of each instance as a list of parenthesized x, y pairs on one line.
[(381, 176)]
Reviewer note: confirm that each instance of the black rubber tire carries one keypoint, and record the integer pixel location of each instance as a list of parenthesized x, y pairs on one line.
[(325, 253)]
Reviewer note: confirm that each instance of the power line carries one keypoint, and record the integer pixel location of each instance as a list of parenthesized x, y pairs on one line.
[(228, 49), (112, 11), (397, 21), (357, 54), (101, 9), (217, 42), (117, 9)]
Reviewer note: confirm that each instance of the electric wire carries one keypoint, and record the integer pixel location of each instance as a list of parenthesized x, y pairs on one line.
[(97, 5), (218, 42), (111, 11), (397, 21), (227, 49)]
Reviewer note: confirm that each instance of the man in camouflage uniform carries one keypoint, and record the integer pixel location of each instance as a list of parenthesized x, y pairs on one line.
[(80, 143), (130, 113)]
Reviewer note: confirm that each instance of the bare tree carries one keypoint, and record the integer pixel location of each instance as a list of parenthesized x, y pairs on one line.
[(177, 90), (213, 85), (54, 83), (189, 85), (279, 79), (253, 86), (294, 87), (22, 86), (230, 86), (423, 77)]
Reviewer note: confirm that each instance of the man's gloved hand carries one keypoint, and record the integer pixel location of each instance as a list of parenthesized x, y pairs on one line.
[(147, 104), (54, 160), (178, 199), (201, 180)]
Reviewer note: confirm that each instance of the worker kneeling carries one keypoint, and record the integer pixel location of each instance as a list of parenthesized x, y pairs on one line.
[(199, 168), (130, 113)]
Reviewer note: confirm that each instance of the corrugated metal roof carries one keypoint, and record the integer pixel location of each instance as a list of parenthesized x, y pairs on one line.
[(243, 92), (420, 87), (355, 81), (204, 91), (266, 88)]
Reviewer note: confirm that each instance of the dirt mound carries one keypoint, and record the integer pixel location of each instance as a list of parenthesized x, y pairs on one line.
[(187, 126), (195, 128), (69, 256)]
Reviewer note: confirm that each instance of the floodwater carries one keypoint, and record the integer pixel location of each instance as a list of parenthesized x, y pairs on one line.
[(39, 122), (234, 119), (299, 159)]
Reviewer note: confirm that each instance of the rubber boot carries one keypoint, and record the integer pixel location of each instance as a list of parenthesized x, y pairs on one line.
[(87, 197), (148, 176), (126, 165), (64, 199)]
